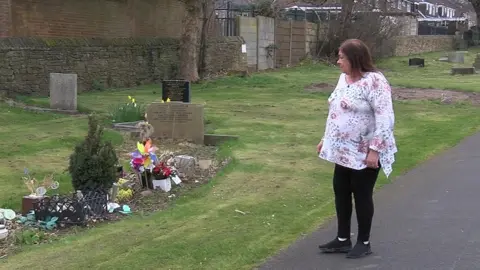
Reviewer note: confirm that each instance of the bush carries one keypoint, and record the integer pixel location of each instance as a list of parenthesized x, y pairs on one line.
[(93, 162), (129, 112)]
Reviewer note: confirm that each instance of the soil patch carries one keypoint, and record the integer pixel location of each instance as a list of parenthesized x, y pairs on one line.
[(319, 87), (444, 96), (398, 93)]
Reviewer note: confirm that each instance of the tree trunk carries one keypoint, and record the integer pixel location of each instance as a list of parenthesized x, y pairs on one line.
[(189, 41), (476, 7)]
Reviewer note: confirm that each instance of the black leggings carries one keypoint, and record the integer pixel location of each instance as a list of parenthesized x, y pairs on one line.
[(361, 183)]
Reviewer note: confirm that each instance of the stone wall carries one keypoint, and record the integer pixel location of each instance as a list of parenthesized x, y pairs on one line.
[(408, 45), (101, 63), (225, 54), (91, 18)]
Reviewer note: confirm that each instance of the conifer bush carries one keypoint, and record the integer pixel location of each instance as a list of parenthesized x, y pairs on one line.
[(93, 164)]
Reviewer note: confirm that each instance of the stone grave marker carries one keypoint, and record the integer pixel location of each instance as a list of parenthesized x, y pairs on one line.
[(456, 57), (476, 64), (177, 120), (419, 62), (176, 90), (463, 70), (63, 91)]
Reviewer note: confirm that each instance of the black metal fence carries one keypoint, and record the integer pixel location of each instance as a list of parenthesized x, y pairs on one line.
[(225, 18)]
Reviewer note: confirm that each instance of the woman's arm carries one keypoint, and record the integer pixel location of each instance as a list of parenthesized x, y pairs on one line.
[(380, 99)]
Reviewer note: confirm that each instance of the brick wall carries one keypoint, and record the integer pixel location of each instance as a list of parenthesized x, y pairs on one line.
[(91, 18), (5, 19), (408, 45), (122, 62)]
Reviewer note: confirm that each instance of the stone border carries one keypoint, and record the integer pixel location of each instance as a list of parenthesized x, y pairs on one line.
[(209, 139), (15, 104)]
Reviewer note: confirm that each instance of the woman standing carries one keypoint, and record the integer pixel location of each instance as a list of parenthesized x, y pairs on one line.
[(359, 140)]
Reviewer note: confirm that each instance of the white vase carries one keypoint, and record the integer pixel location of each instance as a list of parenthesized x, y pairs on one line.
[(163, 184)]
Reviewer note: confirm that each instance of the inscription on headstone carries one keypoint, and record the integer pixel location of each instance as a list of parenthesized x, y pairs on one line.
[(176, 90), (177, 120), (63, 91)]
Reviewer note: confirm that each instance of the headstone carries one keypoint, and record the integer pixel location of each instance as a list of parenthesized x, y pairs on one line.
[(177, 120), (63, 91), (176, 90), (463, 70), (456, 57), (419, 62), (476, 64)]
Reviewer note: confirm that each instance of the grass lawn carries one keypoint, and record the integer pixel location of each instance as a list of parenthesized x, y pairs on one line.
[(435, 74), (276, 177), (40, 142)]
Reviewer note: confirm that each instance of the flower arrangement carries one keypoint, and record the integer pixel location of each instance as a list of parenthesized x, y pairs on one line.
[(38, 189), (149, 167)]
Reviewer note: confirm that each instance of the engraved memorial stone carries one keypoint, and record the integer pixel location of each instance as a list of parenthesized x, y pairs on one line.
[(63, 91), (177, 120), (419, 62), (176, 90)]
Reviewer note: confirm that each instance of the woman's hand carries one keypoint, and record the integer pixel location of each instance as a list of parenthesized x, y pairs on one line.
[(372, 159), (319, 147)]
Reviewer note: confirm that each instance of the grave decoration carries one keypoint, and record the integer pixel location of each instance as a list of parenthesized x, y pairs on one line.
[(152, 171), (37, 189)]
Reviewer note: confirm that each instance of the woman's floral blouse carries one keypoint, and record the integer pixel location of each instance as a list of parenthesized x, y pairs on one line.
[(360, 118)]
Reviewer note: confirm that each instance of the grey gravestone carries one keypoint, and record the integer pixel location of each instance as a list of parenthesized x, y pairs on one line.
[(176, 90), (463, 70), (456, 57), (476, 64), (419, 62), (177, 120), (63, 91)]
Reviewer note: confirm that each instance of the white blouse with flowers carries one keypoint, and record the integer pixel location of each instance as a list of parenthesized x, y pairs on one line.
[(360, 118)]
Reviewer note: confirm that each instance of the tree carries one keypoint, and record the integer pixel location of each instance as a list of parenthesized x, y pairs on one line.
[(189, 40), (476, 7), (93, 162)]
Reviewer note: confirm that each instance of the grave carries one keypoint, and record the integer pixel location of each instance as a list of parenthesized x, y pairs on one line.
[(476, 64), (63, 91), (463, 70), (177, 120), (456, 57), (419, 62), (176, 90)]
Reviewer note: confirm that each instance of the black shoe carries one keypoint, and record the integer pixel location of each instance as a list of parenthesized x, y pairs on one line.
[(336, 246), (359, 250)]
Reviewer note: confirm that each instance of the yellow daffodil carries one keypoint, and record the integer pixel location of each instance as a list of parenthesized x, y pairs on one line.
[(168, 99), (162, 101), (129, 97), (133, 100)]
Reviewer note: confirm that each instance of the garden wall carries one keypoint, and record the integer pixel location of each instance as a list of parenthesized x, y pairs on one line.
[(102, 63), (408, 45)]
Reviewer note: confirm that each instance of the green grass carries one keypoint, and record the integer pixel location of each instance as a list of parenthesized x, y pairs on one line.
[(40, 142), (435, 74), (276, 177)]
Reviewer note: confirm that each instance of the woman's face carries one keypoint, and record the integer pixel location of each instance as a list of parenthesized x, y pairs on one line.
[(343, 63)]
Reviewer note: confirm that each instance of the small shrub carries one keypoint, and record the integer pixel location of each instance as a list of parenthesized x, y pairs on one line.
[(93, 162), (129, 112)]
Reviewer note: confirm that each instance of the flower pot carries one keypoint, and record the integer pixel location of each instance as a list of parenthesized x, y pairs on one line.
[(28, 201), (163, 184)]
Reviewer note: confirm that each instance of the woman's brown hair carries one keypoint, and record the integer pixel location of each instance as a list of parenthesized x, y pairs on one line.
[(358, 54)]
